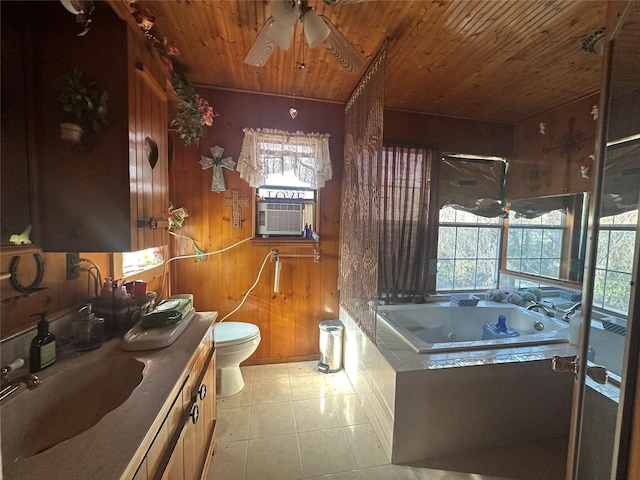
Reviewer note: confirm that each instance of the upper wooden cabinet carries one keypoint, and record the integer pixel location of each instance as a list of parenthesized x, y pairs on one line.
[(99, 195)]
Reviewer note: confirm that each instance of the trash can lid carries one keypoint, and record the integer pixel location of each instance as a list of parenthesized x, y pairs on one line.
[(330, 325)]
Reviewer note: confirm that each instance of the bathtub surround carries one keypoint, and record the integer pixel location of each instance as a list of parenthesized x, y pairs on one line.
[(426, 407)]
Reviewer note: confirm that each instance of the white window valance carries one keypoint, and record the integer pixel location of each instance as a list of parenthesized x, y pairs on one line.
[(266, 151)]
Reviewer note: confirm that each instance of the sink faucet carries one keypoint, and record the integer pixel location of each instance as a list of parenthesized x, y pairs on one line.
[(31, 381), (540, 307), (574, 308), (10, 386)]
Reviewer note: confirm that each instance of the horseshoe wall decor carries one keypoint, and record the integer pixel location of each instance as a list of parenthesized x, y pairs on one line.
[(13, 269)]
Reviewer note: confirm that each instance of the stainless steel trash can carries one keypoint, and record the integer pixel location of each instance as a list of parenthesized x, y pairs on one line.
[(331, 346)]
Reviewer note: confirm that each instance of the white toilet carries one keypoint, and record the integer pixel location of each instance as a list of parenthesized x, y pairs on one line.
[(234, 342)]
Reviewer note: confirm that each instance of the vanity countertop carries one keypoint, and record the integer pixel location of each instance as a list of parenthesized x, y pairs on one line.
[(115, 446)]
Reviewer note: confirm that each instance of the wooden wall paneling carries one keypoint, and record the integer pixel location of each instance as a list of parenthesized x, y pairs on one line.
[(59, 293), (453, 135), (540, 165), (287, 320)]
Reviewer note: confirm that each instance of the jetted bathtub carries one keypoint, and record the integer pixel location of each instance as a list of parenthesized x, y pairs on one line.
[(441, 326)]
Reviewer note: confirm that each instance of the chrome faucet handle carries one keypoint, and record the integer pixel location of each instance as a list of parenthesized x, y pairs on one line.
[(17, 363)]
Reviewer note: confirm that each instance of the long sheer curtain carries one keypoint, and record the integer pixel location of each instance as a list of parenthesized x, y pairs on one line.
[(405, 232), (359, 216)]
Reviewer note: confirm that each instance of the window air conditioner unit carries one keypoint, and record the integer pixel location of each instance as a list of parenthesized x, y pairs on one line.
[(280, 218)]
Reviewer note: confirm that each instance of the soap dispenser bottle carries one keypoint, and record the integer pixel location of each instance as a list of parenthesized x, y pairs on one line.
[(43, 347), (574, 327)]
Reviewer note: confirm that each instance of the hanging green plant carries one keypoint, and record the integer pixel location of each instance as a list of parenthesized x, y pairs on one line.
[(194, 112), (84, 102)]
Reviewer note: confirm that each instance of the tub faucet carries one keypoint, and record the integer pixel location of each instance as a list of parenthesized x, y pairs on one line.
[(538, 307), (567, 315)]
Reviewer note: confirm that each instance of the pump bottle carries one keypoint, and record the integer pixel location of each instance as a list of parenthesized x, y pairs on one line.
[(42, 352), (574, 327)]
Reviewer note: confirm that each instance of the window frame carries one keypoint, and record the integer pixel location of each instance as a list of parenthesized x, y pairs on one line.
[(498, 226)]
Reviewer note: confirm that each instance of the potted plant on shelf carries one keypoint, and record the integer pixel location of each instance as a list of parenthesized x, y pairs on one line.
[(85, 104)]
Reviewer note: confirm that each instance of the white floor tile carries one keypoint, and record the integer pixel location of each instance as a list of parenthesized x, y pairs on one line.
[(315, 414), (274, 458), (388, 472), (303, 368), (261, 372), (365, 446), (271, 419), (233, 424), (274, 390), (338, 383), (350, 410), (247, 373), (354, 475), (229, 461), (240, 399), (325, 451), (308, 386)]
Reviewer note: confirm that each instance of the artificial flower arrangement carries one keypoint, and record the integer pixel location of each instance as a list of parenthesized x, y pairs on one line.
[(176, 217), (194, 112)]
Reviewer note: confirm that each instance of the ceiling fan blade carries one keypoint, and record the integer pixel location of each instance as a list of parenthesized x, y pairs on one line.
[(262, 47), (341, 49)]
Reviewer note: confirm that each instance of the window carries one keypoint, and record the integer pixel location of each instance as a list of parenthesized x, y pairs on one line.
[(534, 245), (614, 262), (286, 169), (468, 251)]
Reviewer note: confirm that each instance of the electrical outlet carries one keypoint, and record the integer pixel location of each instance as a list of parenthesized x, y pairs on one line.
[(73, 265)]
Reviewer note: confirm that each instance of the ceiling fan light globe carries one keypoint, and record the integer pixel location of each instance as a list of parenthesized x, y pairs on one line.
[(315, 30), (280, 34), (284, 12)]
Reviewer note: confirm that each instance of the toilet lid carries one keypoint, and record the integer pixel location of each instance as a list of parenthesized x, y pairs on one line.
[(230, 333)]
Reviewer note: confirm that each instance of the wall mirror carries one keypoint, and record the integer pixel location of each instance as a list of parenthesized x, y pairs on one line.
[(546, 237)]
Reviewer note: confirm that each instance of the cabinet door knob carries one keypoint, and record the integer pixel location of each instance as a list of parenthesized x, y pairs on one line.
[(153, 223), (195, 414), (202, 392)]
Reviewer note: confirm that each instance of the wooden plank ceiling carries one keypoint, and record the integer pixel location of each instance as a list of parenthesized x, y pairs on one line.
[(483, 59)]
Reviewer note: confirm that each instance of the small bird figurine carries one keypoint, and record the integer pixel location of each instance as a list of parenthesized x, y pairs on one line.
[(23, 238)]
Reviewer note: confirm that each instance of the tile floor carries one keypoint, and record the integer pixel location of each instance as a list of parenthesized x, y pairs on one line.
[(291, 422)]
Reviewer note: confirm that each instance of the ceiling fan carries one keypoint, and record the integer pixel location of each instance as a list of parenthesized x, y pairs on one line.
[(318, 31)]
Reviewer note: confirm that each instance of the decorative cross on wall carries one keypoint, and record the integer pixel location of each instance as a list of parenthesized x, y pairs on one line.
[(570, 144), (235, 202), (217, 163)]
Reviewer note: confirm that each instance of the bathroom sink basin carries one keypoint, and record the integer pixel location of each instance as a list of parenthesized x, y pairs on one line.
[(66, 405)]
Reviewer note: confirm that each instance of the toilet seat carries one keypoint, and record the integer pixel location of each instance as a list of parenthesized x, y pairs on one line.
[(227, 334)]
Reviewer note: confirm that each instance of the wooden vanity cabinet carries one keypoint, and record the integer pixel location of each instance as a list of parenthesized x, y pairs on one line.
[(183, 446), (98, 195)]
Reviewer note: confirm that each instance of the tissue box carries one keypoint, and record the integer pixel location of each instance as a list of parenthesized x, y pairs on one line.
[(466, 300)]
